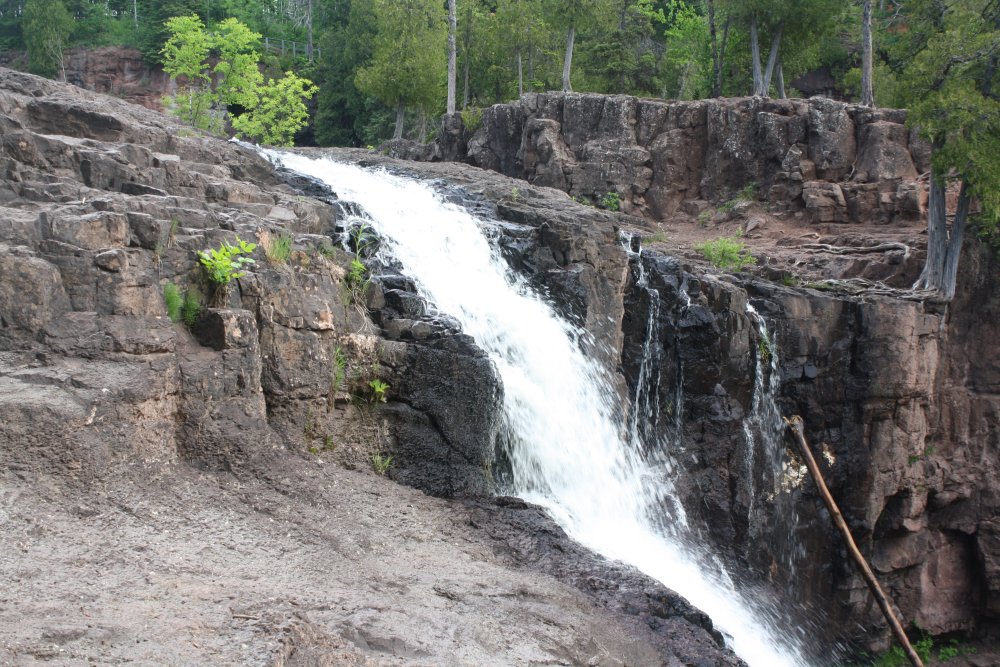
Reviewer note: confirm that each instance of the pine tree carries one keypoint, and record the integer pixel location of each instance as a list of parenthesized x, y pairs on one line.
[(407, 66), (950, 79)]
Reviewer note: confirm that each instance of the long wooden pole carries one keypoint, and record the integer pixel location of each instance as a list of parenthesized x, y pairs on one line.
[(796, 426)]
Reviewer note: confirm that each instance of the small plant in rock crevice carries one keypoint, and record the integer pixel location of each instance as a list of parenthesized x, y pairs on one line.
[(381, 463), (339, 373), (191, 308), (764, 351), (181, 307), (356, 281), (278, 248), (379, 389), (726, 253), (172, 297), (611, 201), (227, 262)]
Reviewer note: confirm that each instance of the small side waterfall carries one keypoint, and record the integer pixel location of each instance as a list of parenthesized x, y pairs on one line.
[(570, 449), (764, 430)]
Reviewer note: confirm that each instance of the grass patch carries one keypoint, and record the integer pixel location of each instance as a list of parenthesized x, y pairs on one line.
[(191, 308), (174, 300), (381, 463), (726, 253), (658, 237), (277, 249)]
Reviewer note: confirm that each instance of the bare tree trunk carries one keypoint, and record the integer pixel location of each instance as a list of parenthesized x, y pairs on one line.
[(467, 47), (135, 14), (621, 27), (716, 62), (309, 31), (422, 135), (949, 274), (568, 60), (452, 54), (755, 55), (722, 49), (937, 232), (867, 91), (400, 117), (520, 74), (531, 61), (772, 58), (780, 73)]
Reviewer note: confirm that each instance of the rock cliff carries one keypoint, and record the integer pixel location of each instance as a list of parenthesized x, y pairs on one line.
[(168, 488), (899, 394), (829, 161)]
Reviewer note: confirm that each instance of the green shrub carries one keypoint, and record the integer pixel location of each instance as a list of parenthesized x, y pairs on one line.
[(726, 253), (472, 118), (226, 263), (174, 300), (611, 201)]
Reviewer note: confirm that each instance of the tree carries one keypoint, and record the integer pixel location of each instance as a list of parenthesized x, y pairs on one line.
[(405, 69), (452, 53), (799, 21), (345, 115), (280, 112), (573, 15), (271, 113), (688, 54), (625, 55), (184, 57), (153, 30), (46, 26), (949, 64), (867, 92), (237, 75)]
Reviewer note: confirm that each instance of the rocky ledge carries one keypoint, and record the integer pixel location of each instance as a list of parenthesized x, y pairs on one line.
[(204, 493)]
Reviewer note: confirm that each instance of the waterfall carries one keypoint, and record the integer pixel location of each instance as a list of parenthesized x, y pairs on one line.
[(570, 448), (764, 430)]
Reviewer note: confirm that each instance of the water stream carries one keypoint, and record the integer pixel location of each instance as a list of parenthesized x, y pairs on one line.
[(570, 449)]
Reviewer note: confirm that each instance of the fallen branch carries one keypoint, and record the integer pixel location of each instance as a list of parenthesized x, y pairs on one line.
[(796, 426)]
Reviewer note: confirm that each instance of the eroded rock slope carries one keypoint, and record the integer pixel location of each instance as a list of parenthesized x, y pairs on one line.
[(203, 494)]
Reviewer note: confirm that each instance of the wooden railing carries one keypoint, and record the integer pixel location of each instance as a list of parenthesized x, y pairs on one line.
[(286, 46)]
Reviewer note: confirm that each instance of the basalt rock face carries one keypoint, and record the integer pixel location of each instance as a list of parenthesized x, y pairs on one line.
[(101, 204), (830, 161), (105, 203), (900, 406), (120, 71)]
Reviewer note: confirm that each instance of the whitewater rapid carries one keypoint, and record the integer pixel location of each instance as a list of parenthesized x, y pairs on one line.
[(570, 449)]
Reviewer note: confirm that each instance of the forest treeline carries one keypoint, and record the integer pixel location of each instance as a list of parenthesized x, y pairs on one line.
[(376, 61), (392, 67)]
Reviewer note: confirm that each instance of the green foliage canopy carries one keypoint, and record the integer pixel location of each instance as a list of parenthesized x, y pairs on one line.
[(46, 27)]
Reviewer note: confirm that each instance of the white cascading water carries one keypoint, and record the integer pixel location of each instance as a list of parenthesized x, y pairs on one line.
[(570, 449)]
